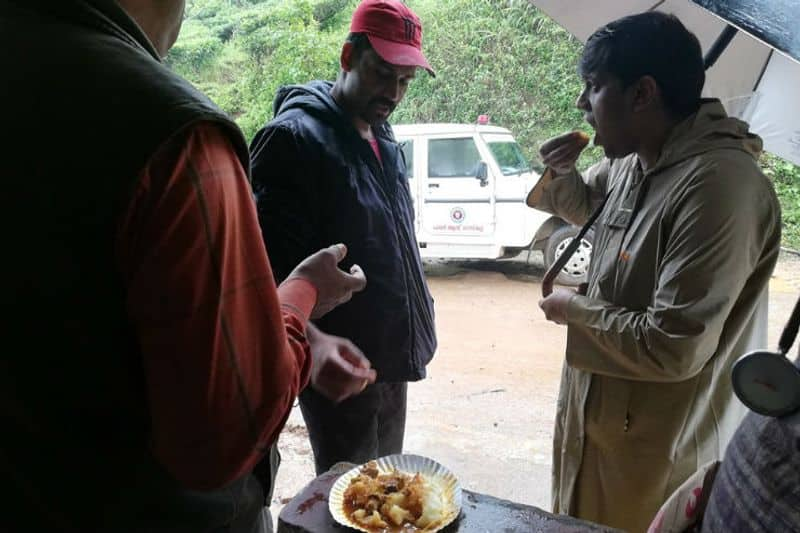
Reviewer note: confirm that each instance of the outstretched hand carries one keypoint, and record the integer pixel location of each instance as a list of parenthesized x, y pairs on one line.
[(334, 286), (339, 369)]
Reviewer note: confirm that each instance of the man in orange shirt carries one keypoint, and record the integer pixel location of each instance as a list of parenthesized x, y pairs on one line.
[(154, 362)]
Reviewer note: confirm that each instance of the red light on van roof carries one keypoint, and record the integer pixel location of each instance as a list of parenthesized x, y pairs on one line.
[(483, 120)]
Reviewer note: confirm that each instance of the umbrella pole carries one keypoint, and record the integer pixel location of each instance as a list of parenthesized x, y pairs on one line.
[(719, 46)]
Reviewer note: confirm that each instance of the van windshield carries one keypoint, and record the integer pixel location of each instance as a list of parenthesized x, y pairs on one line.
[(509, 157)]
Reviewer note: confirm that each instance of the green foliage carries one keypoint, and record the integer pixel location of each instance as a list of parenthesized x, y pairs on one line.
[(333, 14), (197, 50), (786, 178), (239, 52), (503, 58)]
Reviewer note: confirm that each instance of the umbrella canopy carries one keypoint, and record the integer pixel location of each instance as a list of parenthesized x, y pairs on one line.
[(753, 80), (773, 22)]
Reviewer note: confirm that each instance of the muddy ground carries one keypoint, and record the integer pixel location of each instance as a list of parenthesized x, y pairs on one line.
[(486, 409)]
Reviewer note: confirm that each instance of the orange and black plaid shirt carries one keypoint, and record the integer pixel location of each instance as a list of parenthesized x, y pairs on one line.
[(225, 353)]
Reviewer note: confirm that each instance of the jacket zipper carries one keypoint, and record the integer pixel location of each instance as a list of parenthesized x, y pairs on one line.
[(413, 280)]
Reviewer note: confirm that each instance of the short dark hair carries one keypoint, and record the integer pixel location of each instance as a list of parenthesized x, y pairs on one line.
[(650, 44), (360, 43)]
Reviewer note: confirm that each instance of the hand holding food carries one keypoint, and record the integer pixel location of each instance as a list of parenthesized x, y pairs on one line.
[(560, 153)]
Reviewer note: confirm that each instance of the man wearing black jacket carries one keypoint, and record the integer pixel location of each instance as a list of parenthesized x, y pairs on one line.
[(328, 167)]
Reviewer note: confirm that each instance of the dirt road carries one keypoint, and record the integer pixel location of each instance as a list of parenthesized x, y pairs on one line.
[(487, 407)]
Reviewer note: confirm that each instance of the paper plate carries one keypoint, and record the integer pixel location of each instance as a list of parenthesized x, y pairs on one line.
[(409, 464)]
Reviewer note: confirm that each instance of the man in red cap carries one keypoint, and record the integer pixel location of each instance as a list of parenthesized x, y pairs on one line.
[(327, 168)]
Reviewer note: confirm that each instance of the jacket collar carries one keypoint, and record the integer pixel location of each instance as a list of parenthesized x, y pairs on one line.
[(105, 16), (316, 99)]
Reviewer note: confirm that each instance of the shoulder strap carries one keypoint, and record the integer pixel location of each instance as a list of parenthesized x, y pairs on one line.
[(790, 331), (558, 264)]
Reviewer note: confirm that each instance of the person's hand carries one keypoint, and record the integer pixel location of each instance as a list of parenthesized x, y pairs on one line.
[(338, 369), (560, 153), (334, 286), (555, 305)]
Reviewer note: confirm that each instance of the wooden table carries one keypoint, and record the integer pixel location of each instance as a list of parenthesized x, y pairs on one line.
[(308, 513)]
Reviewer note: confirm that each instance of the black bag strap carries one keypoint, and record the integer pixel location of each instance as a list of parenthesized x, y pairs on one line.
[(790, 331), (558, 264)]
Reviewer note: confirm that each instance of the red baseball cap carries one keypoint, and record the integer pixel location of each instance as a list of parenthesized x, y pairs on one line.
[(393, 30)]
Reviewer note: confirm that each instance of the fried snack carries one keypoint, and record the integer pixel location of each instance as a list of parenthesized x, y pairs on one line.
[(582, 137), (395, 501)]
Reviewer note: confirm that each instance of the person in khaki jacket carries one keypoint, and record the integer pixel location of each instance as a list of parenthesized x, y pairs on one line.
[(683, 251)]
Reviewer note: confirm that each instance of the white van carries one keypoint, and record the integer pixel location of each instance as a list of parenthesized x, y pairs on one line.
[(469, 183)]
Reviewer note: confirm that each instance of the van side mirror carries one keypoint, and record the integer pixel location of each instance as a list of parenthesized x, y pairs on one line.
[(482, 174)]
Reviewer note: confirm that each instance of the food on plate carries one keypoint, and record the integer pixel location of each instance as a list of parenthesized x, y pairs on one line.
[(394, 501)]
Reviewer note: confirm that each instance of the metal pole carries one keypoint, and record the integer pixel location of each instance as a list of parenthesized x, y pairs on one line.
[(719, 46)]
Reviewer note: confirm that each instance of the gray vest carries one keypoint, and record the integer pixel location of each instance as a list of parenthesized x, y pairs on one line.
[(86, 103)]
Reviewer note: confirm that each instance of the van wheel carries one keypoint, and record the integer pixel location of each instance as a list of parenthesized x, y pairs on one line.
[(575, 271)]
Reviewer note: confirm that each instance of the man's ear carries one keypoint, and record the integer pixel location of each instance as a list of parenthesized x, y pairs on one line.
[(346, 58), (646, 93)]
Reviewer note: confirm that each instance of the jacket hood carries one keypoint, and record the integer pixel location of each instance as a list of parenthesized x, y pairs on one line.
[(315, 99), (709, 129)]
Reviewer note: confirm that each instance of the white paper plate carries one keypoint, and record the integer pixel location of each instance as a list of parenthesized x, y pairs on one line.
[(410, 464)]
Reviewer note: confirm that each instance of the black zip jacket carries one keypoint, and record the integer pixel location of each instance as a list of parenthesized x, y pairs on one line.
[(316, 183)]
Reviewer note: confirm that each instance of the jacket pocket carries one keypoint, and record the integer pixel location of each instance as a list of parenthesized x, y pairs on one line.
[(607, 410)]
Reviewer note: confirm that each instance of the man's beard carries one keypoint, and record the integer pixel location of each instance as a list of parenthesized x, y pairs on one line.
[(375, 117)]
